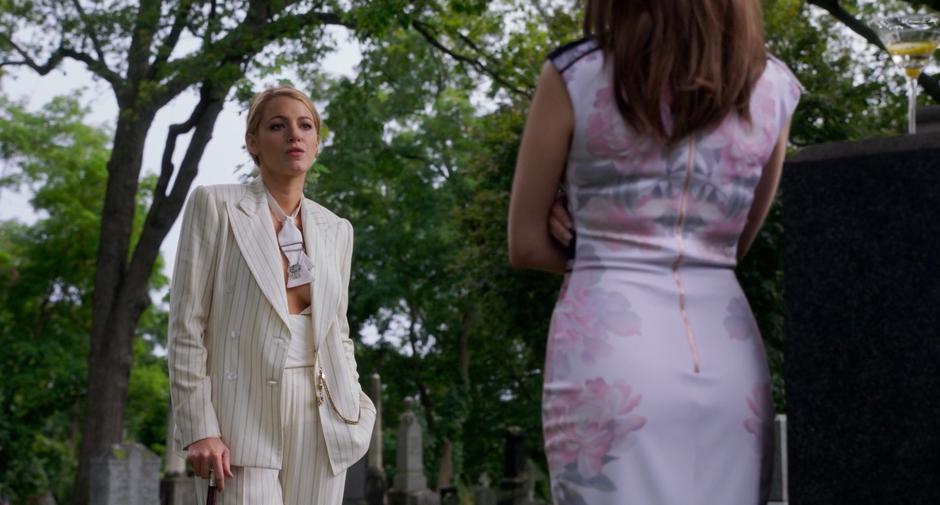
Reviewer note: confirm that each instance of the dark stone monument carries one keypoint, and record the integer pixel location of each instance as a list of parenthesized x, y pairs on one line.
[(928, 119), (354, 492), (862, 286), (778, 481), (512, 486)]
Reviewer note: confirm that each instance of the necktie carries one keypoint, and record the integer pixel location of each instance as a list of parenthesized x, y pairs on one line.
[(299, 266)]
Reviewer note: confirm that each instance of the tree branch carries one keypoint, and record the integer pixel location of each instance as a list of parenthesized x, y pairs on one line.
[(89, 30), (212, 25), (930, 83), (28, 61), (138, 55), (169, 43), (241, 44), (96, 67), (425, 32), (165, 207)]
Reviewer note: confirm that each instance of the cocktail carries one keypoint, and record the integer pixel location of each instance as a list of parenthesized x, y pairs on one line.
[(911, 41)]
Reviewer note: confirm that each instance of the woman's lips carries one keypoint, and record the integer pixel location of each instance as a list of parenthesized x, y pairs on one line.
[(295, 153)]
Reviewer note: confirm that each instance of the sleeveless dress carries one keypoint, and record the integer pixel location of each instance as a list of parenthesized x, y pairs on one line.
[(656, 388)]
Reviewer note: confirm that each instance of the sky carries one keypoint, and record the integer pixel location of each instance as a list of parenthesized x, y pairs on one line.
[(223, 155)]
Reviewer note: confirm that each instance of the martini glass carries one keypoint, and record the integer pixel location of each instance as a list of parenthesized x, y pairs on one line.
[(911, 41)]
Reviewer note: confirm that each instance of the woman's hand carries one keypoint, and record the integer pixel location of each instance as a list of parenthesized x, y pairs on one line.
[(559, 221), (210, 454)]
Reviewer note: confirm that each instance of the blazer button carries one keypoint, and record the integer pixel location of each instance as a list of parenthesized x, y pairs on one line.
[(234, 334), (231, 376)]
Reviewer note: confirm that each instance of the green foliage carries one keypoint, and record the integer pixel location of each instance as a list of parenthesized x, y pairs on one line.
[(46, 279), (421, 148)]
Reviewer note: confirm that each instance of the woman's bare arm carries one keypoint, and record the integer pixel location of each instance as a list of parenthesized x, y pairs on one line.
[(539, 170), (764, 193)]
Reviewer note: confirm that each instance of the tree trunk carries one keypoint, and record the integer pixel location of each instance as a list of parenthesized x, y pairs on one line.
[(122, 286), (113, 317)]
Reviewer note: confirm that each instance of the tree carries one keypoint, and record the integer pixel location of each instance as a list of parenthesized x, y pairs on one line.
[(136, 48), (46, 276)]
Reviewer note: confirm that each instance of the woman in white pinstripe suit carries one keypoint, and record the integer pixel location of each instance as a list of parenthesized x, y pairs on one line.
[(263, 377)]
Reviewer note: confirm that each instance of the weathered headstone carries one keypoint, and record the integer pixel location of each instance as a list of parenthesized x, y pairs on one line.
[(355, 491), (128, 475), (861, 256), (410, 485), (484, 494), (375, 486), (778, 483), (375, 471)]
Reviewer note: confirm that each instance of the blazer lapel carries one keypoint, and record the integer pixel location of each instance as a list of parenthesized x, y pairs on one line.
[(321, 246), (254, 233)]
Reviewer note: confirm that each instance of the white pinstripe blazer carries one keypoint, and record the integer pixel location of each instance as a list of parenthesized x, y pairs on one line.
[(229, 335)]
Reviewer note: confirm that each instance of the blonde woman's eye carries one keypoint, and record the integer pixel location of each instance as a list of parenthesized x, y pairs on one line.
[(306, 126), (276, 126)]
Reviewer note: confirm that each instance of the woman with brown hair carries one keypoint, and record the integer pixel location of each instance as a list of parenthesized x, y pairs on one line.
[(667, 126)]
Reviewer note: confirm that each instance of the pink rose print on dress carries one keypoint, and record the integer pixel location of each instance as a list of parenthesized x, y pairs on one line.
[(739, 322), (721, 238), (758, 423), (582, 426), (585, 318), (608, 136)]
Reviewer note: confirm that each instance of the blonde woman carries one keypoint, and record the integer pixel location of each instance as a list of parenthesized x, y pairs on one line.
[(667, 125), (263, 377)]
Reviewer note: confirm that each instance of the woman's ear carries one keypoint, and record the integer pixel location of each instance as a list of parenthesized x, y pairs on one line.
[(251, 143)]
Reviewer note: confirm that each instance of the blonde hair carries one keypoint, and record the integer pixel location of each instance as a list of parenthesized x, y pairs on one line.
[(259, 101)]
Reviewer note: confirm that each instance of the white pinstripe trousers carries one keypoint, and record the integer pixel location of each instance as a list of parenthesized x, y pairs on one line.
[(304, 477)]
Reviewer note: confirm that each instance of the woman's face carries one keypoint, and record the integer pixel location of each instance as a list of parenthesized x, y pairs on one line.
[(286, 142)]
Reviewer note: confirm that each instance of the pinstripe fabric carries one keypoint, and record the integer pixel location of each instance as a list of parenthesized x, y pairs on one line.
[(302, 481), (229, 333)]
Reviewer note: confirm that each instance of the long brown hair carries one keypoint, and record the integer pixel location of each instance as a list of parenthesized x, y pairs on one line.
[(706, 54)]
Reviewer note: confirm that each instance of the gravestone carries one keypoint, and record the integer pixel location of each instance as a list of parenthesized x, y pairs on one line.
[(512, 486), (354, 492), (484, 494), (778, 483), (375, 471), (129, 474), (410, 484), (861, 277)]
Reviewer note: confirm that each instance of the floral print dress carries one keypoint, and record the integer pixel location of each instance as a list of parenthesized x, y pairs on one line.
[(657, 389)]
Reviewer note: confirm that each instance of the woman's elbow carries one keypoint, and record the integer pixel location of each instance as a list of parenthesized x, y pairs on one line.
[(519, 255)]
